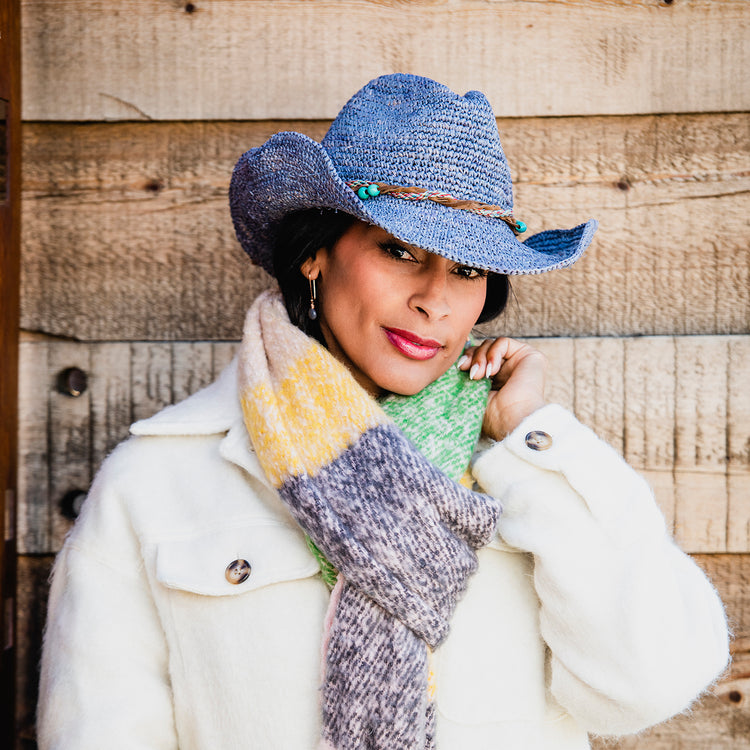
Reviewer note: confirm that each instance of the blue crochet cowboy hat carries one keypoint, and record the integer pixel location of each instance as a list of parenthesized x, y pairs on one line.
[(409, 155)]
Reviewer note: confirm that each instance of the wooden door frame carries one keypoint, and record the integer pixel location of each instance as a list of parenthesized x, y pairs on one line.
[(10, 204)]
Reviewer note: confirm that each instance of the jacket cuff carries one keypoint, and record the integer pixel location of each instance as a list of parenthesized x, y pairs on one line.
[(552, 469), (544, 440)]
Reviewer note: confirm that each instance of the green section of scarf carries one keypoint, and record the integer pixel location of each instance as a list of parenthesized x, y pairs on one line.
[(443, 421)]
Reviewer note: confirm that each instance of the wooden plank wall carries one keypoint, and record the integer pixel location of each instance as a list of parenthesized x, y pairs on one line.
[(633, 111)]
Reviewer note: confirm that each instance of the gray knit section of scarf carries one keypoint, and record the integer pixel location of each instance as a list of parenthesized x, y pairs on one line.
[(403, 536)]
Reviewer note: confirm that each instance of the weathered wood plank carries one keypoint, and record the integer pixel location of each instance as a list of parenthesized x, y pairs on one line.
[(731, 576), (127, 233), (700, 443), (32, 590), (600, 388), (738, 449), (152, 377), (649, 415), (70, 468), (139, 59), (662, 401), (561, 371), (192, 368), (111, 398), (222, 354), (34, 505)]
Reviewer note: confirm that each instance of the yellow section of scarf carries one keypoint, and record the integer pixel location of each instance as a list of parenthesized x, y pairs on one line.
[(311, 417)]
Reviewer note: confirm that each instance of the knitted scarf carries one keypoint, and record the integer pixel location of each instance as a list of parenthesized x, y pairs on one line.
[(400, 531)]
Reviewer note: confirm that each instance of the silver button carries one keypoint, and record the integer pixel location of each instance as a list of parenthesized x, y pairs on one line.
[(238, 571), (538, 440)]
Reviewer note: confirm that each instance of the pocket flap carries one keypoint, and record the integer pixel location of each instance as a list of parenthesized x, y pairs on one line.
[(274, 552)]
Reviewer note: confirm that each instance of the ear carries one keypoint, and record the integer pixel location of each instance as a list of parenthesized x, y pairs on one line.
[(311, 267)]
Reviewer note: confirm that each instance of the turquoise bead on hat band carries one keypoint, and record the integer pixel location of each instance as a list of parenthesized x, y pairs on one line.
[(366, 190)]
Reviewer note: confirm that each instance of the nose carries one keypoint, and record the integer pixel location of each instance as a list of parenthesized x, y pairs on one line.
[(430, 295)]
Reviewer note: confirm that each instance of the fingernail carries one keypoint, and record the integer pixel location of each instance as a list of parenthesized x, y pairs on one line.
[(473, 372), (463, 361), (488, 374)]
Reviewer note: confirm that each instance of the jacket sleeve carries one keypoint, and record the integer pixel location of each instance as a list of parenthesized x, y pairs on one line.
[(104, 673), (635, 630)]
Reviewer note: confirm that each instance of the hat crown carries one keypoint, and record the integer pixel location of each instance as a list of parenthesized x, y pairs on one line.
[(402, 130), (411, 131)]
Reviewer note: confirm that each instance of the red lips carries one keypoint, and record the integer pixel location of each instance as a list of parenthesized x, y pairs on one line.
[(411, 345)]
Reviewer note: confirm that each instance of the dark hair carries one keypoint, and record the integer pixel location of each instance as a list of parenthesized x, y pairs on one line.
[(300, 234)]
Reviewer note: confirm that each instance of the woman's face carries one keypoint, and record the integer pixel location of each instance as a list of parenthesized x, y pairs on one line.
[(396, 315)]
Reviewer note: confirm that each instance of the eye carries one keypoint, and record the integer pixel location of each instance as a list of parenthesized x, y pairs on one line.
[(467, 272), (396, 251)]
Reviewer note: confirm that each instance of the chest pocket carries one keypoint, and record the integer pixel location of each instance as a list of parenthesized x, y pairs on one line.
[(228, 561)]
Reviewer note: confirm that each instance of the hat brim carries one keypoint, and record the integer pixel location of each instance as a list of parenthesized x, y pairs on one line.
[(292, 172)]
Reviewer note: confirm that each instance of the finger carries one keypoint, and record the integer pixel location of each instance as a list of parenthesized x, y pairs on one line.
[(479, 360), (464, 361), (497, 353)]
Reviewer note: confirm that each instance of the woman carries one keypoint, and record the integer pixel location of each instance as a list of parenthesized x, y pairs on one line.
[(318, 492)]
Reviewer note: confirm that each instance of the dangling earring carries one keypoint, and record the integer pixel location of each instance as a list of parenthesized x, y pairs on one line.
[(312, 313)]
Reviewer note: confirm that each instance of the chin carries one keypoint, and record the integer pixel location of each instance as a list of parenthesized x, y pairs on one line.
[(408, 383), (404, 391)]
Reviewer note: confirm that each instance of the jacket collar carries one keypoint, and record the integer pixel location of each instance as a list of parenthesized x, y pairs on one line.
[(213, 410)]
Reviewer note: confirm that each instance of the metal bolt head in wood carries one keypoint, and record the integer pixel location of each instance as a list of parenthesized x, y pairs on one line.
[(71, 502), (72, 381)]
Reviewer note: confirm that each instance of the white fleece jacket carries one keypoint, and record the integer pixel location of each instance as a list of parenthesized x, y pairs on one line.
[(583, 616)]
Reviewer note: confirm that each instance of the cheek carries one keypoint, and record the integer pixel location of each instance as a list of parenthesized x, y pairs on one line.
[(349, 301), (360, 290), (342, 292), (470, 306)]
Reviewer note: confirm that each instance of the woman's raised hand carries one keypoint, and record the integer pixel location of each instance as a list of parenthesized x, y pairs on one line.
[(518, 374)]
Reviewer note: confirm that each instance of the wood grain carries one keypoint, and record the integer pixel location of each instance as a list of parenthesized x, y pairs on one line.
[(32, 591), (34, 455), (140, 59), (738, 449), (110, 400), (663, 402), (127, 234)]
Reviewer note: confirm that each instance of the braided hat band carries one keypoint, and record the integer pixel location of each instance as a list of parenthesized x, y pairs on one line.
[(366, 190), (421, 146)]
